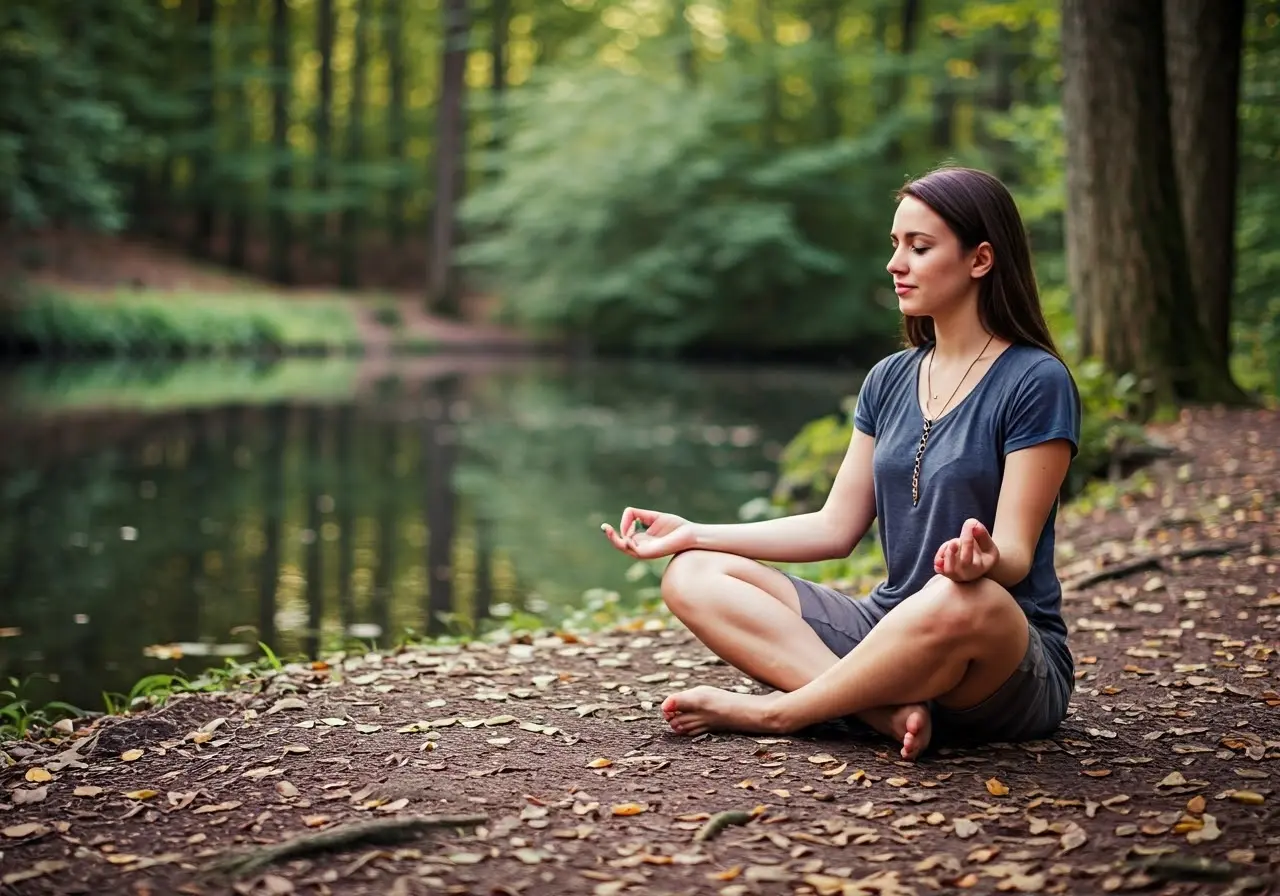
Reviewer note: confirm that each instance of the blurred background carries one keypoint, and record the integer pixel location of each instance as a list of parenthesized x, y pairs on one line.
[(339, 322)]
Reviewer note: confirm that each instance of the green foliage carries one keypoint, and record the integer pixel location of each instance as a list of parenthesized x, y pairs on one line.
[(182, 323), (632, 210)]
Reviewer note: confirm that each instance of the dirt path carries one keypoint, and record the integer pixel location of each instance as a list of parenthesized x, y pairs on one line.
[(1172, 751)]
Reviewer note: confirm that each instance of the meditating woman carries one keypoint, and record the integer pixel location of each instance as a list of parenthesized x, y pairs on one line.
[(960, 446)]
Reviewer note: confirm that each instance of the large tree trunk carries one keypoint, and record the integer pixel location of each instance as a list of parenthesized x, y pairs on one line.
[(1126, 250), (443, 286), (1204, 42), (202, 181)]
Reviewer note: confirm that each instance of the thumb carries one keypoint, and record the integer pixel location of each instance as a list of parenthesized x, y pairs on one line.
[(631, 514)]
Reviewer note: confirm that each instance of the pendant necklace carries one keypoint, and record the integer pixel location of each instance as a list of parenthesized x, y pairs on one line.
[(929, 421)]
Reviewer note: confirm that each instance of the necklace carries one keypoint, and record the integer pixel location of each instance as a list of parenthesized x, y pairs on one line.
[(929, 421)]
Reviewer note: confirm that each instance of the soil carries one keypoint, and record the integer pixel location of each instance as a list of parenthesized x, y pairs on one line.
[(551, 758)]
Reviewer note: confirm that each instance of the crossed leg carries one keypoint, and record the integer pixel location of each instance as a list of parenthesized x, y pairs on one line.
[(952, 643)]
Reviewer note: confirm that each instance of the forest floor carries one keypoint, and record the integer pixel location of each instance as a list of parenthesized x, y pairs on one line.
[(556, 775)]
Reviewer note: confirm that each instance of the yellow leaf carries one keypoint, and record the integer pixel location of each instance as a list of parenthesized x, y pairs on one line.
[(629, 809), (996, 788), (38, 775), (600, 763), (1195, 805), (726, 875), (1248, 797), (131, 755), (122, 859), (141, 794)]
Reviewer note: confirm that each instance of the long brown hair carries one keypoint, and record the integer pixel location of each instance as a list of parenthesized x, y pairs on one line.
[(978, 208)]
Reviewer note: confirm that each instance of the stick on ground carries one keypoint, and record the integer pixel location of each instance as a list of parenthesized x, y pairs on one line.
[(383, 831)]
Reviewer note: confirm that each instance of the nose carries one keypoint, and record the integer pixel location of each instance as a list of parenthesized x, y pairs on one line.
[(896, 263)]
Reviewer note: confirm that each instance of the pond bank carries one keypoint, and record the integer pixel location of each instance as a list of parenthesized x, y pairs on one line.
[(551, 751)]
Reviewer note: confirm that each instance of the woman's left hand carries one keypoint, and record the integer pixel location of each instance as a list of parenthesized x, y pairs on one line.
[(969, 557)]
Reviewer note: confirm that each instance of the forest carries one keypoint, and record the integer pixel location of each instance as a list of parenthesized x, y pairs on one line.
[(671, 176)]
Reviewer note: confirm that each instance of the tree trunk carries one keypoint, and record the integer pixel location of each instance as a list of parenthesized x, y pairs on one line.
[(769, 46), (439, 456), (393, 40), (825, 21), (908, 25), (349, 225), (443, 286), (202, 182), (500, 27), (1204, 42), (324, 119), (688, 49), (281, 268), (1126, 250), (243, 35)]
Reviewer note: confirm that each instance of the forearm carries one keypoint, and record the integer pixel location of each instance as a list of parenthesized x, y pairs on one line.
[(801, 538), (1013, 566)]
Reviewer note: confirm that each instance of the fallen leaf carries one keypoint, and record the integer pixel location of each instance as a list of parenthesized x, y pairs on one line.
[(1173, 779), (23, 797), (1248, 797), (86, 790), (122, 858), (333, 722), (1209, 831), (629, 809), (600, 763), (368, 729), (996, 788), (141, 794), (966, 828), (217, 807), (30, 829), (1196, 805), (37, 775), (131, 755), (499, 720), (286, 789), (39, 869), (286, 703), (394, 805)]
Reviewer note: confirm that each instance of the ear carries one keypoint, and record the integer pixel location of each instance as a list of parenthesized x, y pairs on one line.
[(984, 258)]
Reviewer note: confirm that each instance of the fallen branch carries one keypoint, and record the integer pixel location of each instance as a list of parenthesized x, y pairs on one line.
[(1150, 561), (383, 831), (1199, 869), (719, 822)]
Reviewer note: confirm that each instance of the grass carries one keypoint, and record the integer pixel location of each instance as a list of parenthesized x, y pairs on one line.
[(164, 384), (186, 323)]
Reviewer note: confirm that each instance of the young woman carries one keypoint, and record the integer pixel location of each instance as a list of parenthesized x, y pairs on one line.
[(960, 446)]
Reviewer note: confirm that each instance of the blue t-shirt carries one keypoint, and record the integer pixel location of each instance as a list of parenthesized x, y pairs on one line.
[(1026, 397)]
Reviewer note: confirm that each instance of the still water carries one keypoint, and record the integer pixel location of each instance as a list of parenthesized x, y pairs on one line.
[(155, 519)]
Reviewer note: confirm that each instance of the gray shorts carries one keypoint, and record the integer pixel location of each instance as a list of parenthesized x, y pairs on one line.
[(1029, 705)]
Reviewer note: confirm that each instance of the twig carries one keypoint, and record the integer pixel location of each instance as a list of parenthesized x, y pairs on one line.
[(392, 830), (1150, 561), (719, 822)]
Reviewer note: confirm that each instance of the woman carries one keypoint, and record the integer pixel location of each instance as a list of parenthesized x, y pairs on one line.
[(961, 444)]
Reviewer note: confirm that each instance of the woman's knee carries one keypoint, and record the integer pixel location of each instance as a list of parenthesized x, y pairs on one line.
[(689, 573), (958, 611)]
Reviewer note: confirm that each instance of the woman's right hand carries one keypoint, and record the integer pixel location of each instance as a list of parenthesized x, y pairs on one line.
[(665, 534)]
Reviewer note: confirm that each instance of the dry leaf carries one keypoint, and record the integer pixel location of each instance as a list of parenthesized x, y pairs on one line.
[(286, 790), (1248, 797), (1196, 805), (39, 869), (600, 763), (141, 794), (30, 829), (86, 790), (23, 797), (629, 809), (131, 755), (217, 807), (37, 775), (996, 788)]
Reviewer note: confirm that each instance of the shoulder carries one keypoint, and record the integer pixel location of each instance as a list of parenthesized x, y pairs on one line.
[(1031, 367)]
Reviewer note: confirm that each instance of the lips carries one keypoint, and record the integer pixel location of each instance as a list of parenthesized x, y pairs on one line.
[(902, 288)]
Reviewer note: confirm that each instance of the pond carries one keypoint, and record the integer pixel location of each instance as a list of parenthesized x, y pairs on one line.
[(160, 518)]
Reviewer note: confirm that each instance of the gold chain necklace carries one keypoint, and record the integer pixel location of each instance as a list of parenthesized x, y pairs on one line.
[(929, 421)]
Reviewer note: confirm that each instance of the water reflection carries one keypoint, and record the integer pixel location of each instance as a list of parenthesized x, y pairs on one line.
[(139, 541)]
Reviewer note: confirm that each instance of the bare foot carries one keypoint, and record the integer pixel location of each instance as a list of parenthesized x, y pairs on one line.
[(703, 709), (914, 725)]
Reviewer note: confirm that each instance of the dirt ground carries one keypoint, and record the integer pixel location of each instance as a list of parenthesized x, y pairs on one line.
[(555, 774)]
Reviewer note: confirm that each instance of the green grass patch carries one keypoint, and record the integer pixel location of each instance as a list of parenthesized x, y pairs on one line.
[(153, 322), (165, 385)]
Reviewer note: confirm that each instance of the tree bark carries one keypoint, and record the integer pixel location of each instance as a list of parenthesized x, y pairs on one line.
[(443, 288), (202, 181), (349, 224), (393, 20), (324, 117), (1126, 249), (281, 237), (1204, 43)]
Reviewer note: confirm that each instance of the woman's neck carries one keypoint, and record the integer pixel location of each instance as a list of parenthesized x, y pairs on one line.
[(960, 336)]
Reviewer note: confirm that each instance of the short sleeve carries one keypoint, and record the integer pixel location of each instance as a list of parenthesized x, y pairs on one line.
[(867, 409), (1044, 406)]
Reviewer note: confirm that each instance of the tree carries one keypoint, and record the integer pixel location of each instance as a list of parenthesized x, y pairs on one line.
[(1204, 47), (449, 157), (1126, 247)]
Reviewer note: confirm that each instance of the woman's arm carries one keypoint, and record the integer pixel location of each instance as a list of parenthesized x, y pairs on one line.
[(825, 534)]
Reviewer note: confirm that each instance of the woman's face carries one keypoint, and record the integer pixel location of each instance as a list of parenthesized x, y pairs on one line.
[(931, 272)]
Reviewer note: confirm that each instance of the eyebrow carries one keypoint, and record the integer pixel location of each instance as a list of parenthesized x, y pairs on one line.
[(910, 233)]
